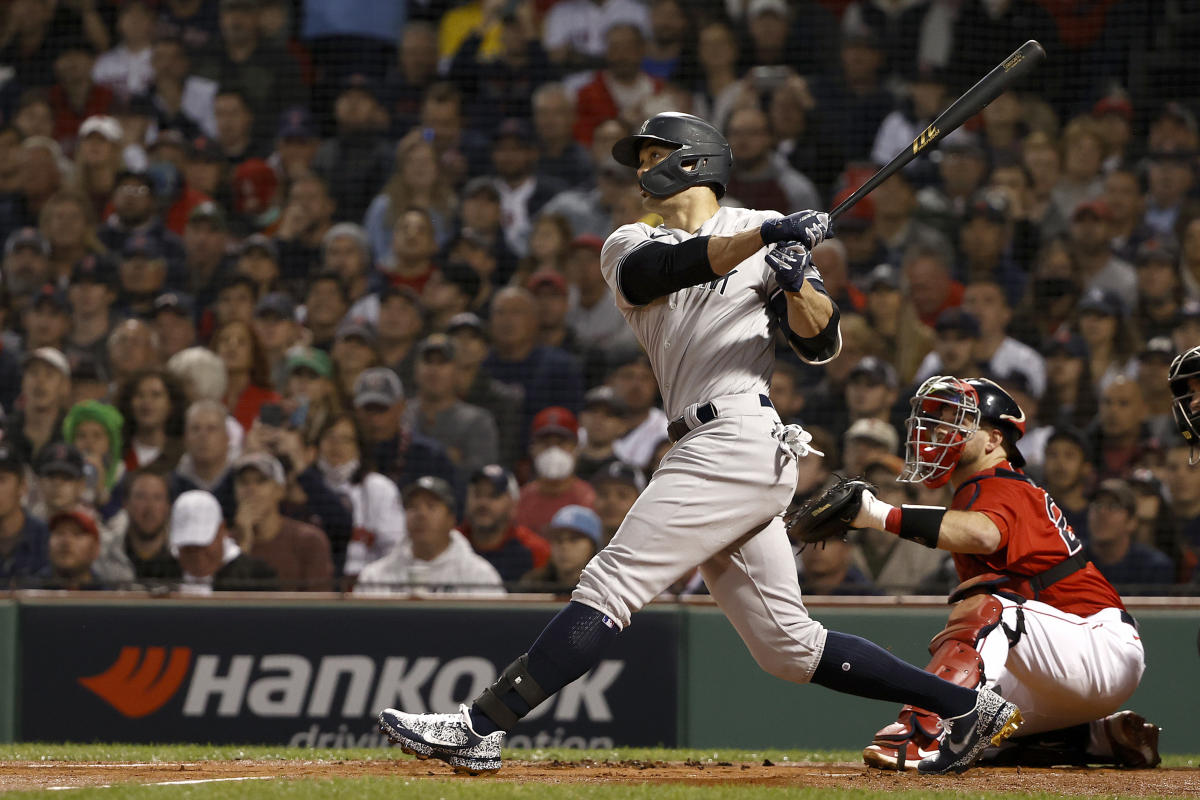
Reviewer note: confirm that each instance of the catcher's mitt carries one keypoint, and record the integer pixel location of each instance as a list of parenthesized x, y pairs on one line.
[(829, 514)]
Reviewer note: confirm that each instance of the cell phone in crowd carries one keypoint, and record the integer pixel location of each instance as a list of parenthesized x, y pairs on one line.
[(271, 415)]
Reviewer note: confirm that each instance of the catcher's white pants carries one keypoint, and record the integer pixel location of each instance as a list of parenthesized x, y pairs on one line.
[(715, 501), (1065, 669)]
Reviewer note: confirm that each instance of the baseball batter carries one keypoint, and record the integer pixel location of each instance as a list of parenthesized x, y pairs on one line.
[(704, 292), (1032, 618)]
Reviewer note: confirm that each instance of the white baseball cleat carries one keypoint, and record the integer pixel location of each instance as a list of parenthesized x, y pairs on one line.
[(449, 737), (991, 721)]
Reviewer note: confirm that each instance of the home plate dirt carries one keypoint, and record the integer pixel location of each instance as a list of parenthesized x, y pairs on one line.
[(1179, 782)]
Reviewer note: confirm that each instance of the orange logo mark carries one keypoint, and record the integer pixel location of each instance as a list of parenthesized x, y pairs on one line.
[(138, 686)]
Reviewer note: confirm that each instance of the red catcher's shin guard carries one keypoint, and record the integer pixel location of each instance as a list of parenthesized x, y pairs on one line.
[(915, 733)]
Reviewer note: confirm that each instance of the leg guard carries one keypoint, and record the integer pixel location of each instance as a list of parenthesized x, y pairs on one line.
[(915, 733), (515, 678)]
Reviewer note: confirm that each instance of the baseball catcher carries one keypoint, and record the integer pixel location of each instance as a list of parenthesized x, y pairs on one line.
[(1032, 618), (1184, 378)]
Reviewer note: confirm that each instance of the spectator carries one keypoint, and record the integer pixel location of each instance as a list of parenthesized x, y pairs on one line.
[(401, 321), (475, 386), (310, 397), (344, 250), (205, 241), (986, 243), (522, 191), (39, 174), (414, 251), (174, 322), (135, 212), (620, 87), (633, 382), (1170, 179), (201, 373), (297, 552), (1124, 194), (258, 258), (355, 160), (435, 557), (89, 380), (1190, 258), (246, 363), (903, 340), (235, 137), (73, 547), (399, 453), (868, 441), (23, 537), (854, 102), (856, 234), (207, 454), (1091, 237), (1105, 329), (26, 267), (574, 534), (1161, 292), (617, 488), (416, 180), (603, 419), (60, 482), (924, 100), (931, 288), (894, 565), (45, 389), (717, 88), (549, 291), (236, 299), (548, 239), (480, 225), (1134, 567), (1153, 363), (47, 320), (500, 84), (142, 275), (559, 155), (999, 353), (142, 552), (1183, 487), (1070, 392), (325, 305), (449, 292), (127, 68), (152, 403), (276, 328), (871, 389), (1067, 475), (592, 316), (75, 96), (296, 145), (182, 101), (256, 197), (830, 570), (354, 350), (761, 178), (573, 32), (307, 217), (98, 160), (461, 152), (467, 432), (90, 295), (265, 73), (549, 376), (378, 513), (490, 525), (132, 346), (1120, 436), (209, 558), (785, 394), (95, 429), (1082, 156), (416, 68), (554, 440)]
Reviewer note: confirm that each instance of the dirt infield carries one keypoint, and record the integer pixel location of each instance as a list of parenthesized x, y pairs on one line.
[(1158, 782)]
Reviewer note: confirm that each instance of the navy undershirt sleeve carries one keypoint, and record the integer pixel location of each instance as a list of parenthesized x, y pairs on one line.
[(656, 269)]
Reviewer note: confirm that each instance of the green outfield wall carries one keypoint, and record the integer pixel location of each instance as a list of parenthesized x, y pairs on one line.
[(313, 672)]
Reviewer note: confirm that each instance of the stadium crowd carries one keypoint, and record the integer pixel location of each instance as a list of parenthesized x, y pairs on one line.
[(306, 294)]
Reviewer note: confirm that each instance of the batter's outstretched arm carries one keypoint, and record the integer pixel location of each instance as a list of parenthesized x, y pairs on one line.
[(655, 269)]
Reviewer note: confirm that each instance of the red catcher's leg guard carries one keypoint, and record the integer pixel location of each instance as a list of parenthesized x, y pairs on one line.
[(914, 735)]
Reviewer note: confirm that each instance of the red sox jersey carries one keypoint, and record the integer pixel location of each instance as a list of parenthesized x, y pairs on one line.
[(1034, 536)]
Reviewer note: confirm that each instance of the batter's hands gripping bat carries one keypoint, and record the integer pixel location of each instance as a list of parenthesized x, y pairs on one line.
[(1007, 72)]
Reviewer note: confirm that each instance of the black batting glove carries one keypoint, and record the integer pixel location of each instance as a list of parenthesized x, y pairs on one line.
[(809, 228)]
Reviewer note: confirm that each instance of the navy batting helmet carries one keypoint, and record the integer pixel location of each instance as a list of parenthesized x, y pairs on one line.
[(702, 156)]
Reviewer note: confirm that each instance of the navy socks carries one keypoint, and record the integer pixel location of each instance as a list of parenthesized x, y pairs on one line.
[(570, 645), (857, 666)]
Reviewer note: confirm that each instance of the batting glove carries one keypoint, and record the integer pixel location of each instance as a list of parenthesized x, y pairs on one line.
[(809, 228), (789, 264)]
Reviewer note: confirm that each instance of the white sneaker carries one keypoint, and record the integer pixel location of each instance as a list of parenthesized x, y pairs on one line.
[(449, 737)]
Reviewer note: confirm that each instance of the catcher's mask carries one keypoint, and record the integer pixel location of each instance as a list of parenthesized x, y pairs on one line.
[(945, 413), (702, 156), (1184, 378)]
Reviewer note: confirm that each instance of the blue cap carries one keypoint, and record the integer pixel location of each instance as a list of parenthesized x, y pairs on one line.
[(579, 519)]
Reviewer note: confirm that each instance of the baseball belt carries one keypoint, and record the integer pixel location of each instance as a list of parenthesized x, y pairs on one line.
[(679, 427)]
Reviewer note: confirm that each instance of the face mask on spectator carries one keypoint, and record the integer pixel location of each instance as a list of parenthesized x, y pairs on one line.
[(339, 475), (554, 463)]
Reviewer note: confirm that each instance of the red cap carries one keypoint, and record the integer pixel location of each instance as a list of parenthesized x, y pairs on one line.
[(254, 186), (863, 210), (1113, 104), (589, 240), (554, 419), (546, 277), (80, 517), (1097, 207)]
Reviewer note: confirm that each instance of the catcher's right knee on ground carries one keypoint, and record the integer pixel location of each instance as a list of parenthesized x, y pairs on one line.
[(914, 735)]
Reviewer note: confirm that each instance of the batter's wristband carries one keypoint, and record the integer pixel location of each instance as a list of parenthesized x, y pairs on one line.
[(921, 524)]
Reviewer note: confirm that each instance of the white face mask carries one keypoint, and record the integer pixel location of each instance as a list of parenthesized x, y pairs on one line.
[(339, 475), (554, 463)]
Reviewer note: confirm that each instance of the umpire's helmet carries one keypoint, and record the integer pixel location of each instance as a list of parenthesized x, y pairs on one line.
[(1182, 375), (702, 156)]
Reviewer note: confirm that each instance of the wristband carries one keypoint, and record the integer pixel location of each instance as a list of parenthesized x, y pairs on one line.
[(920, 524)]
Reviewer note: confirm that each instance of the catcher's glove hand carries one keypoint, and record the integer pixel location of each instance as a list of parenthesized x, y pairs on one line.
[(829, 514)]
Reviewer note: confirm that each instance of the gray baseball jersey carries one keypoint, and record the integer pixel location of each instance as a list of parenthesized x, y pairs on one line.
[(703, 341)]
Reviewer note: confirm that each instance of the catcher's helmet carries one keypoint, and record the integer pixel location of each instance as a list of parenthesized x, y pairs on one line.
[(946, 412), (1183, 374), (702, 156)]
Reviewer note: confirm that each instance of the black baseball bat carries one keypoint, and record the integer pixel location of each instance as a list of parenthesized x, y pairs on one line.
[(972, 101)]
